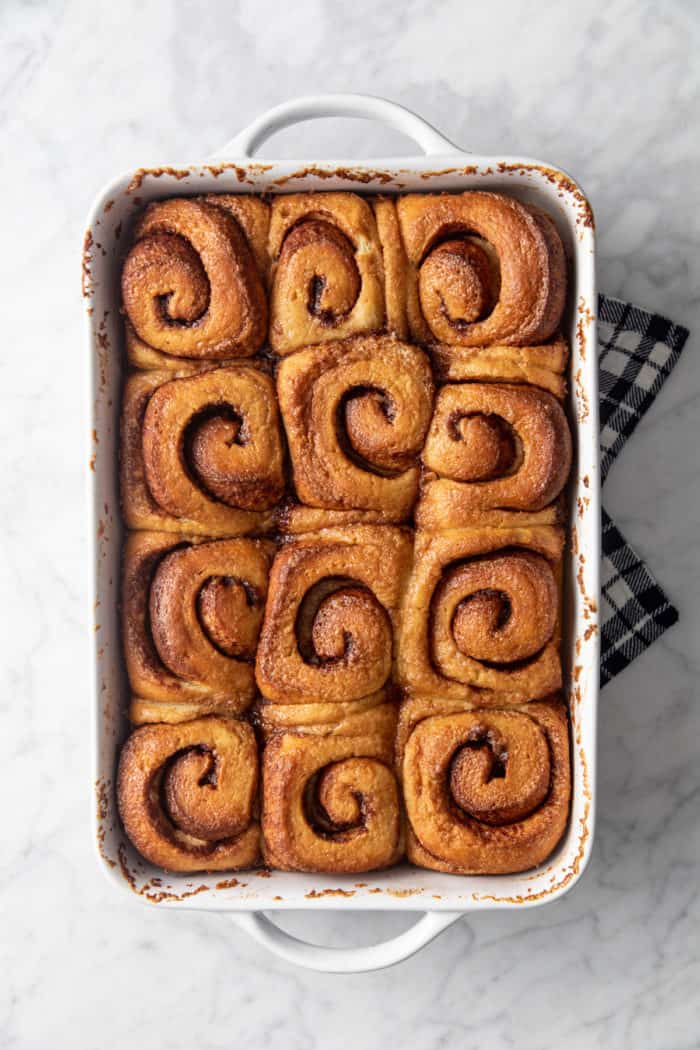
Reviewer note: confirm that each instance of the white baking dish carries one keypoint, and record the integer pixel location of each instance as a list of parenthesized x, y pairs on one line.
[(442, 898)]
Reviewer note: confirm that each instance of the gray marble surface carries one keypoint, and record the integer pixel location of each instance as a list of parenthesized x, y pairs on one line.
[(609, 90)]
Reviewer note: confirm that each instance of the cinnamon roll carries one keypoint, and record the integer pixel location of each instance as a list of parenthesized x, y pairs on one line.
[(327, 272), (356, 414), (331, 613), (202, 452), (486, 791), (483, 269), (192, 612), (330, 796), (186, 795), (497, 450), (482, 610), (193, 283)]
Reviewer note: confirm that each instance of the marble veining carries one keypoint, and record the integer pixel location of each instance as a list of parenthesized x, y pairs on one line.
[(609, 90)]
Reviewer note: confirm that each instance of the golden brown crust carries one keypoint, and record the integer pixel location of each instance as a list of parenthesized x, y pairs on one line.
[(331, 614), (395, 266), (253, 216), (486, 791), (294, 519), (191, 615), (483, 269), (327, 279), (201, 452), (330, 798), (356, 413), (494, 448), (342, 717), (541, 365), (186, 795), (442, 506), (351, 610), (193, 284), (482, 610)]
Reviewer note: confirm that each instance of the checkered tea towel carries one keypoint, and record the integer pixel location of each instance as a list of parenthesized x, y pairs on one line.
[(637, 352)]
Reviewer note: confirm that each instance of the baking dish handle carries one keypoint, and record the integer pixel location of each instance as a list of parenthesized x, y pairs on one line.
[(368, 107), (344, 960)]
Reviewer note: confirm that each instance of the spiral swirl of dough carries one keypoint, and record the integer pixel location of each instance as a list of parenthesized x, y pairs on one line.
[(327, 272), (191, 285), (486, 791), (482, 610), (356, 414), (192, 614), (484, 269), (495, 449), (202, 452), (331, 799), (328, 633), (186, 794)]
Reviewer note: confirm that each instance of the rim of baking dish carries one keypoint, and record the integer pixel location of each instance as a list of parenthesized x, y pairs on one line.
[(403, 887)]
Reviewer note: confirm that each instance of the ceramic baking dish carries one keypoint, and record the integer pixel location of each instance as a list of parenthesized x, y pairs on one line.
[(250, 898)]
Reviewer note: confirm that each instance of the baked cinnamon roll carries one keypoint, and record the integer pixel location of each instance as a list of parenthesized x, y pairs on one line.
[(356, 414), (493, 449), (187, 794), (193, 283), (331, 614), (482, 610), (330, 796), (202, 452), (486, 791), (192, 612), (483, 269), (327, 271)]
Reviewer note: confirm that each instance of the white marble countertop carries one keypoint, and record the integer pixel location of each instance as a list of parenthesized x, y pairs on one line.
[(92, 88)]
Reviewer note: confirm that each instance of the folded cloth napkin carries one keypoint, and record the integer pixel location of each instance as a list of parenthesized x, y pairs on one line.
[(637, 352)]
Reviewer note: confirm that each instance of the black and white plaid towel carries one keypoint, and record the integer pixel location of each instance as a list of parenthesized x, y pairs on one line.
[(637, 352)]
